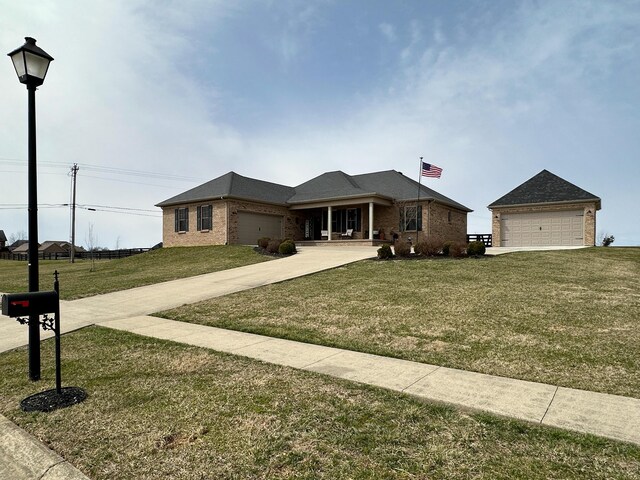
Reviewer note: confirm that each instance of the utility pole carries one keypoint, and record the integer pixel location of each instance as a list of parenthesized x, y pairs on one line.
[(74, 174)]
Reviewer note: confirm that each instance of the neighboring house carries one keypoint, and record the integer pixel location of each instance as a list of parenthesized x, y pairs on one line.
[(51, 247), (16, 244), (3, 240), (233, 209), (20, 246), (545, 210)]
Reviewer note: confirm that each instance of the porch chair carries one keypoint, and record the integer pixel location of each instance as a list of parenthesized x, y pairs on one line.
[(348, 234)]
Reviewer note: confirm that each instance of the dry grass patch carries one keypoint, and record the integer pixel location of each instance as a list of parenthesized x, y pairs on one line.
[(231, 417), (566, 317), (78, 280)]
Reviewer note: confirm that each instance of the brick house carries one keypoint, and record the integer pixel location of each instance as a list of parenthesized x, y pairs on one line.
[(546, 210), (333, 207)]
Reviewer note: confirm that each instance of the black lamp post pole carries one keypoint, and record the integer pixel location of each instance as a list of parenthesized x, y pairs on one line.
[(34, 325)]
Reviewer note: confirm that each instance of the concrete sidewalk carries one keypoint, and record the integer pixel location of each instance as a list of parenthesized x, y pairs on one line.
[(24, 457), (600, 414)]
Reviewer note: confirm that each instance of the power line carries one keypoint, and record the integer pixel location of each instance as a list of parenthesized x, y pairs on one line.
[(112, 170), (121, 208)]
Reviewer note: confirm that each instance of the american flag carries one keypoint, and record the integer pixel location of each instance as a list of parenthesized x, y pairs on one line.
[(429, 170)]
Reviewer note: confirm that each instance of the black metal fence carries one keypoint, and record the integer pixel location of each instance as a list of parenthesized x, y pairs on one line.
[(97, 255), (485, 238)]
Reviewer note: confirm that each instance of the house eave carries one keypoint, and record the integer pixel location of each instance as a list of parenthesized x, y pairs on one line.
[(342, 200), (219, 198)]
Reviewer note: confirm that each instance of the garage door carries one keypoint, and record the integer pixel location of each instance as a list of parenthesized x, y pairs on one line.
[(252, 226), (542, 229)]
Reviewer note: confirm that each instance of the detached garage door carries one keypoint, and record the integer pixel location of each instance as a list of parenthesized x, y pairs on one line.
[(252, 226), (542, 229)]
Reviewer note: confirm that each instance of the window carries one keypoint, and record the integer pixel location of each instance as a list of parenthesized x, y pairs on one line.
[(408, 217), (344, 219), (353, 219), (204, 217), (182, 219)]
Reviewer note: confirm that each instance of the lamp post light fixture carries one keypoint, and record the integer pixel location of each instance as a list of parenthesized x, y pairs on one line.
[(31, 64)]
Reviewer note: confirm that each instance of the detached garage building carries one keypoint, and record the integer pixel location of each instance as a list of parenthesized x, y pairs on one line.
[(546, 210)]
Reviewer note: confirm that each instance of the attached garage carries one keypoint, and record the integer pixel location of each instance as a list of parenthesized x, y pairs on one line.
[(546, 210), (542, 229), (252, 226)]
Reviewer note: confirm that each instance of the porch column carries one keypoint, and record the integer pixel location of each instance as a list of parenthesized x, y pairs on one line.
[(370, 220), (329, 224)]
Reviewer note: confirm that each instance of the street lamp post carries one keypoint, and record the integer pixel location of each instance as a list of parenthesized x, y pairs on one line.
[(31, 64)]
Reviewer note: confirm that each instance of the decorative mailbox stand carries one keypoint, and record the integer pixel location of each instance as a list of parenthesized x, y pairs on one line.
[(25, 307)]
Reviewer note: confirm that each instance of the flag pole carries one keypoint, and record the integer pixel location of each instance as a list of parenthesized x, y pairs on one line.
[(418, 201)]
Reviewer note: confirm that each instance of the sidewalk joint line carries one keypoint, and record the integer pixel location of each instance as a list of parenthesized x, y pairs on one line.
[(62, 460), (271, 339), (549, 406), (322, 359), (438, 367)]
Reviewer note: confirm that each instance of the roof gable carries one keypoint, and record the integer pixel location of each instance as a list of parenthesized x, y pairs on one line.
[(3, 237), (327, 186), (545, 187)]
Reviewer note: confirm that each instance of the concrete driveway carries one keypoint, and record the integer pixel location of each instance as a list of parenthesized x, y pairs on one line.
[(161, 296)]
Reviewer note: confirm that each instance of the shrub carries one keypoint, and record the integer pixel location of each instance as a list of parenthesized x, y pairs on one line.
[(607, 240), (274, 246), (430, 247), (476, 248), (457, 249), (263, 242), (402, 249), (445, 248), (384, 252), (287, 247)]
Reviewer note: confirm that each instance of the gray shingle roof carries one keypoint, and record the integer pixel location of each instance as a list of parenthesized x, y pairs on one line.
[(328, 186), (394, 184), (545, 187), (233, 185), (3, 237)]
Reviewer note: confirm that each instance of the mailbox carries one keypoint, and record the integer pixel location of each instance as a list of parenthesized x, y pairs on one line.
[(32, 303)]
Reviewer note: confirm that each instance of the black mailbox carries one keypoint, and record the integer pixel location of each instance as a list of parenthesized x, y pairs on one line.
[(32, 303)]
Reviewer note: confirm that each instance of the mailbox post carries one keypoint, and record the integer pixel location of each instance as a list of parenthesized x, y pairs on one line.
[(25, 307)]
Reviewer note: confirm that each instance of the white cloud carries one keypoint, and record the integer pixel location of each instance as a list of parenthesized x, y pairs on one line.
[(388, 31)]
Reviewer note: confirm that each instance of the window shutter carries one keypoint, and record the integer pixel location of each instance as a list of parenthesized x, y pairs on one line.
[(199, 215), (186, 219), (175, 212), (419, 213)]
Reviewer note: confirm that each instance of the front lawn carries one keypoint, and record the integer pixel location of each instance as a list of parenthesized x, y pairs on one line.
[(570, 318), (79, 279), (158, 409)]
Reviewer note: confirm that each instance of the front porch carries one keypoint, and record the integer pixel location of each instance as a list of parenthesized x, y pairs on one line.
[(343, 243)]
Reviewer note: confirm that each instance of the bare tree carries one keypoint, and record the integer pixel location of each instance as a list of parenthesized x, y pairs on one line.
[(91, 246), (14, 237)]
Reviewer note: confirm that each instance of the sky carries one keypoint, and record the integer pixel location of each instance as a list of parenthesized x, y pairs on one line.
[(151, 98)]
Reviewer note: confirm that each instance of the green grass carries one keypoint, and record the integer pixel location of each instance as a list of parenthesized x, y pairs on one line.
[(568, 318), (79, 280), (158, 409)]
